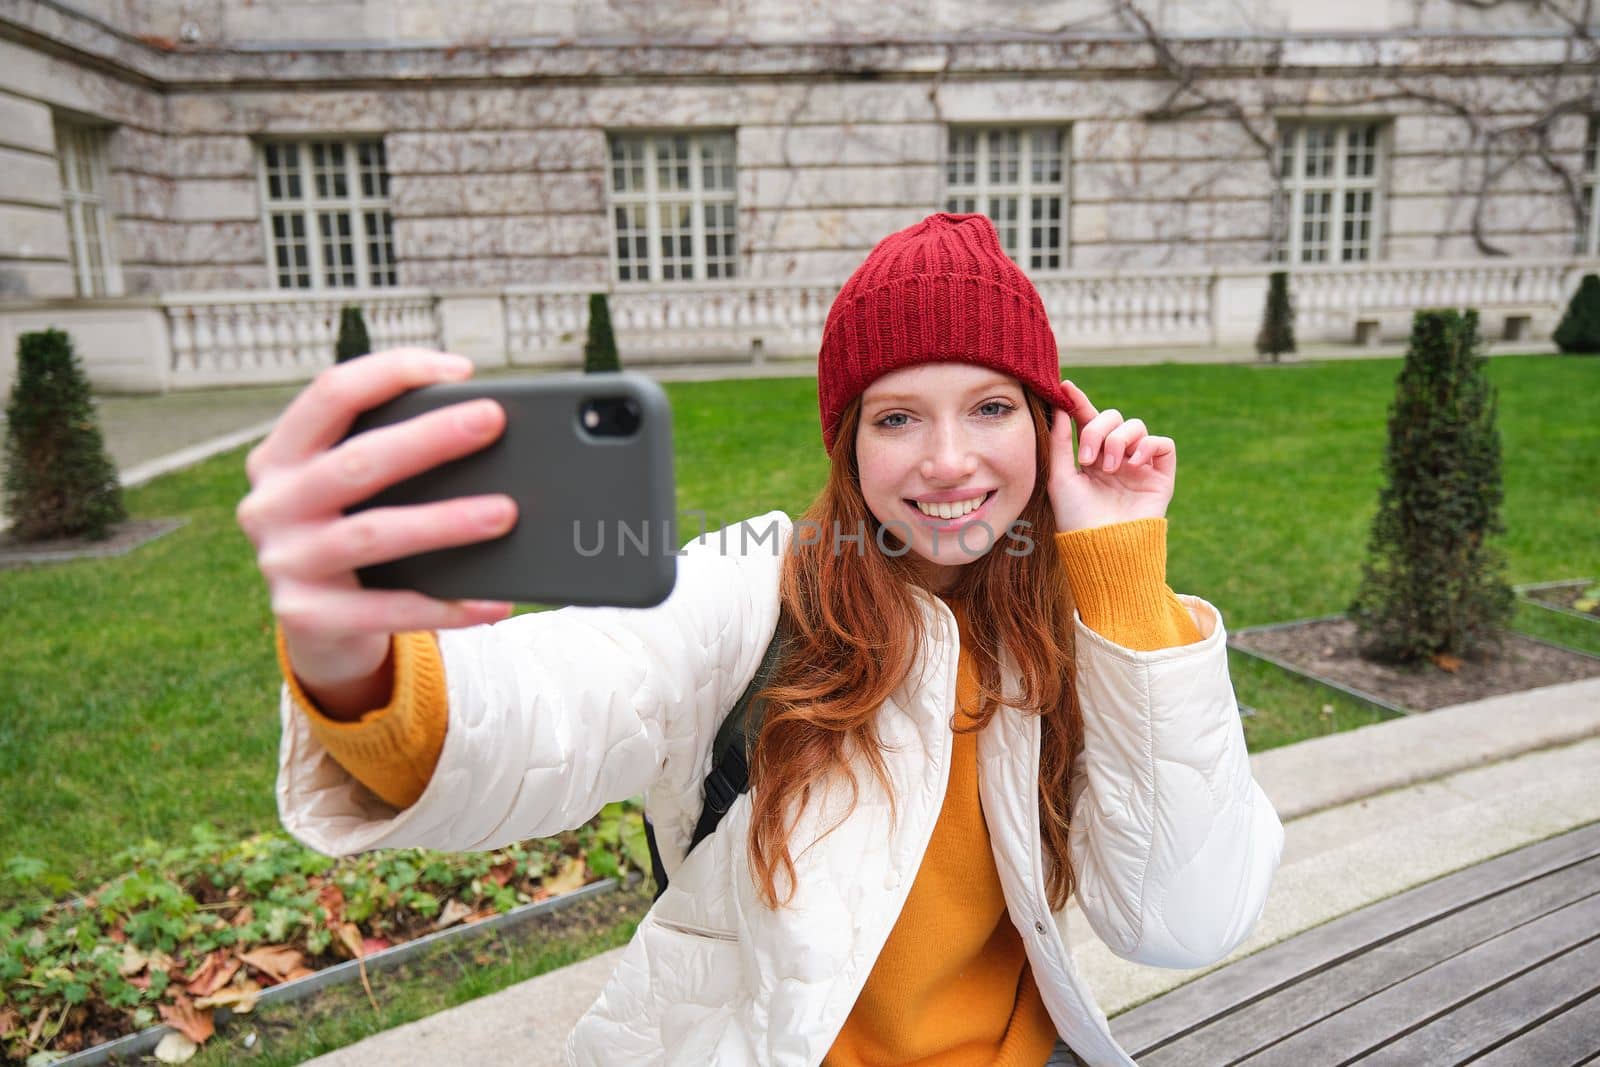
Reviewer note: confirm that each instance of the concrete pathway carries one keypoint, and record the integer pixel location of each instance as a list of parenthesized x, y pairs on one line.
[(1368, 813)]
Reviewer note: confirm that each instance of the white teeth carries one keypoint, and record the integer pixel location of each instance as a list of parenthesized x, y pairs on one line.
[(953, 510)]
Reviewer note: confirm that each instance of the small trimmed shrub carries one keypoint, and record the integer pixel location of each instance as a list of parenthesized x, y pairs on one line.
[(600, 350), (59, 480), (353, 340), (1432, 584), (1580, 326), (1277, 322)]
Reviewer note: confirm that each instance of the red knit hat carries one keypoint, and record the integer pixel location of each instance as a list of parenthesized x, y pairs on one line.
[(943, 289)]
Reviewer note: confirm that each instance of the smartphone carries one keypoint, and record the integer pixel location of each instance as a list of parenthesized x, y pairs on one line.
[(588, 459)]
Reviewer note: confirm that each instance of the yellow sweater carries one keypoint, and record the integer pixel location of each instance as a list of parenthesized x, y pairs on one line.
[(952, 985)]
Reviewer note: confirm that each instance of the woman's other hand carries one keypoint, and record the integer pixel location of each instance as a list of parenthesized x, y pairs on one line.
[(1118, 472)]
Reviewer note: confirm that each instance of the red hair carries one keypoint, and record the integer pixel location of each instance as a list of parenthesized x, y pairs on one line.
[(853, 627)]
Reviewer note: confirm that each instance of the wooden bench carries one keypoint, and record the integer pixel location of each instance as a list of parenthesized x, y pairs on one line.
[(1498, 965)]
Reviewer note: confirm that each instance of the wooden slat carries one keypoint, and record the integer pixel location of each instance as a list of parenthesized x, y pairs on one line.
[(1569, 1039), (1145, 1028), (1258, 1025), (1372, 1022), (1500, 1013)]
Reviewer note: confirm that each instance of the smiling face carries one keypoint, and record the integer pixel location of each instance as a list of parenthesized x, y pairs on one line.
[(947, 455)]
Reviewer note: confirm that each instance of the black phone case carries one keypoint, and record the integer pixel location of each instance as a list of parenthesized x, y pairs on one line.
[(596, 520)]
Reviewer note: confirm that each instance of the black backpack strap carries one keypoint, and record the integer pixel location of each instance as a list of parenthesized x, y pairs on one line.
[(730, 759), (730, 752)]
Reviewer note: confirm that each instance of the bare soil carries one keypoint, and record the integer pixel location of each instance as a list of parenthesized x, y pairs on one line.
[(1563, 596), (1326, 649)]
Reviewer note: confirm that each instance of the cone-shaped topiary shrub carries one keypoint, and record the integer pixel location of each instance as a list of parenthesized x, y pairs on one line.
[(59, 481), (1432, 584), (353, 340), (1277, 322), (600, 350), (1580, 326)]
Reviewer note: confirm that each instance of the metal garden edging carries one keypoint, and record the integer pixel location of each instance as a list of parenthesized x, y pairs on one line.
[(1285, 665), (339, 974), (1522, 592), (1358, 694)]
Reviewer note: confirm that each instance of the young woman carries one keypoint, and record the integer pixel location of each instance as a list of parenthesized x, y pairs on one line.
[(988, 704)]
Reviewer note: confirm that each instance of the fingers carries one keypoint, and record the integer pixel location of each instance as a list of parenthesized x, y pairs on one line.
[(1120, 443), (368, 462), (383, 534), (325, 612), (1160, 452), (323, 412), (1092, 438), (1082, 411)]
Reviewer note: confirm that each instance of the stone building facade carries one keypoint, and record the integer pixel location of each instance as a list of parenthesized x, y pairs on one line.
[(195, 186)]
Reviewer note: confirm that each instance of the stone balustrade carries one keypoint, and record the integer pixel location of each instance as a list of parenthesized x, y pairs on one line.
[(1144, 308), (677, 323), (234, 338), (192, 340), (1330, 302)]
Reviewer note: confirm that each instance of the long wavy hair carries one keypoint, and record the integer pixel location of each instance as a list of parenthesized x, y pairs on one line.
[(852, 628)]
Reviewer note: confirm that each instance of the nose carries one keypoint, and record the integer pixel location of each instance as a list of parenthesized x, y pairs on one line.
[(950, 458)]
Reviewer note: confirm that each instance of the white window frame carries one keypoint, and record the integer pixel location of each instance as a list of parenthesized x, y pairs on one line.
[(984, 192), (308, 206), (1589, 214), (1289, 209), (654, 200), (81, 158)]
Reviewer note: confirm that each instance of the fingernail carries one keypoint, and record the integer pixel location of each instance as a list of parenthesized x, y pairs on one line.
[(492, 513), (453, 366), (491, 607), (478, 417)]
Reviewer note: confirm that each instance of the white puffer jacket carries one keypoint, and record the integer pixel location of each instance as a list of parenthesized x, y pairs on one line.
[(554, 714)]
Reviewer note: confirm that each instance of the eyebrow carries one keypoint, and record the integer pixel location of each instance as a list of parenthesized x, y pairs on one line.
[(981, 387)]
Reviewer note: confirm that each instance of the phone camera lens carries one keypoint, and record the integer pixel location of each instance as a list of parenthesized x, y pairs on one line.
[(611, 416)]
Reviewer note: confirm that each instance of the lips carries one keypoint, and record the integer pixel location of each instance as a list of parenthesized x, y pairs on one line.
[(952, 521)]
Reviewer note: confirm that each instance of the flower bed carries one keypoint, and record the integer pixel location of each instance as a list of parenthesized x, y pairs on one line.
[(1580, 598), (210, 925)]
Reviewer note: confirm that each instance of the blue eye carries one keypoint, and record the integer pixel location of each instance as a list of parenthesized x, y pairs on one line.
[(1004, 408), (886, 424)]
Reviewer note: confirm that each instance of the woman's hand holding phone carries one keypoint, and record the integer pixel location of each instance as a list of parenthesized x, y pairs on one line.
[(303, 476)]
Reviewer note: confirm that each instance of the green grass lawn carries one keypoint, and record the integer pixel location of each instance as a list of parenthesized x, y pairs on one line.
[(137, 695)]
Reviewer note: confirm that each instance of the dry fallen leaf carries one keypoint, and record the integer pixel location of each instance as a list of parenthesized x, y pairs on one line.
[(501, 873), (241, 998), (133, 961), (331, 897), (275, 961), (369, 945), (175, 1048), (194, 1023), (1446, 662), (217, 971), (454, 911), (567, 878), (9, 1020), (244, 917), (349, 937)]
